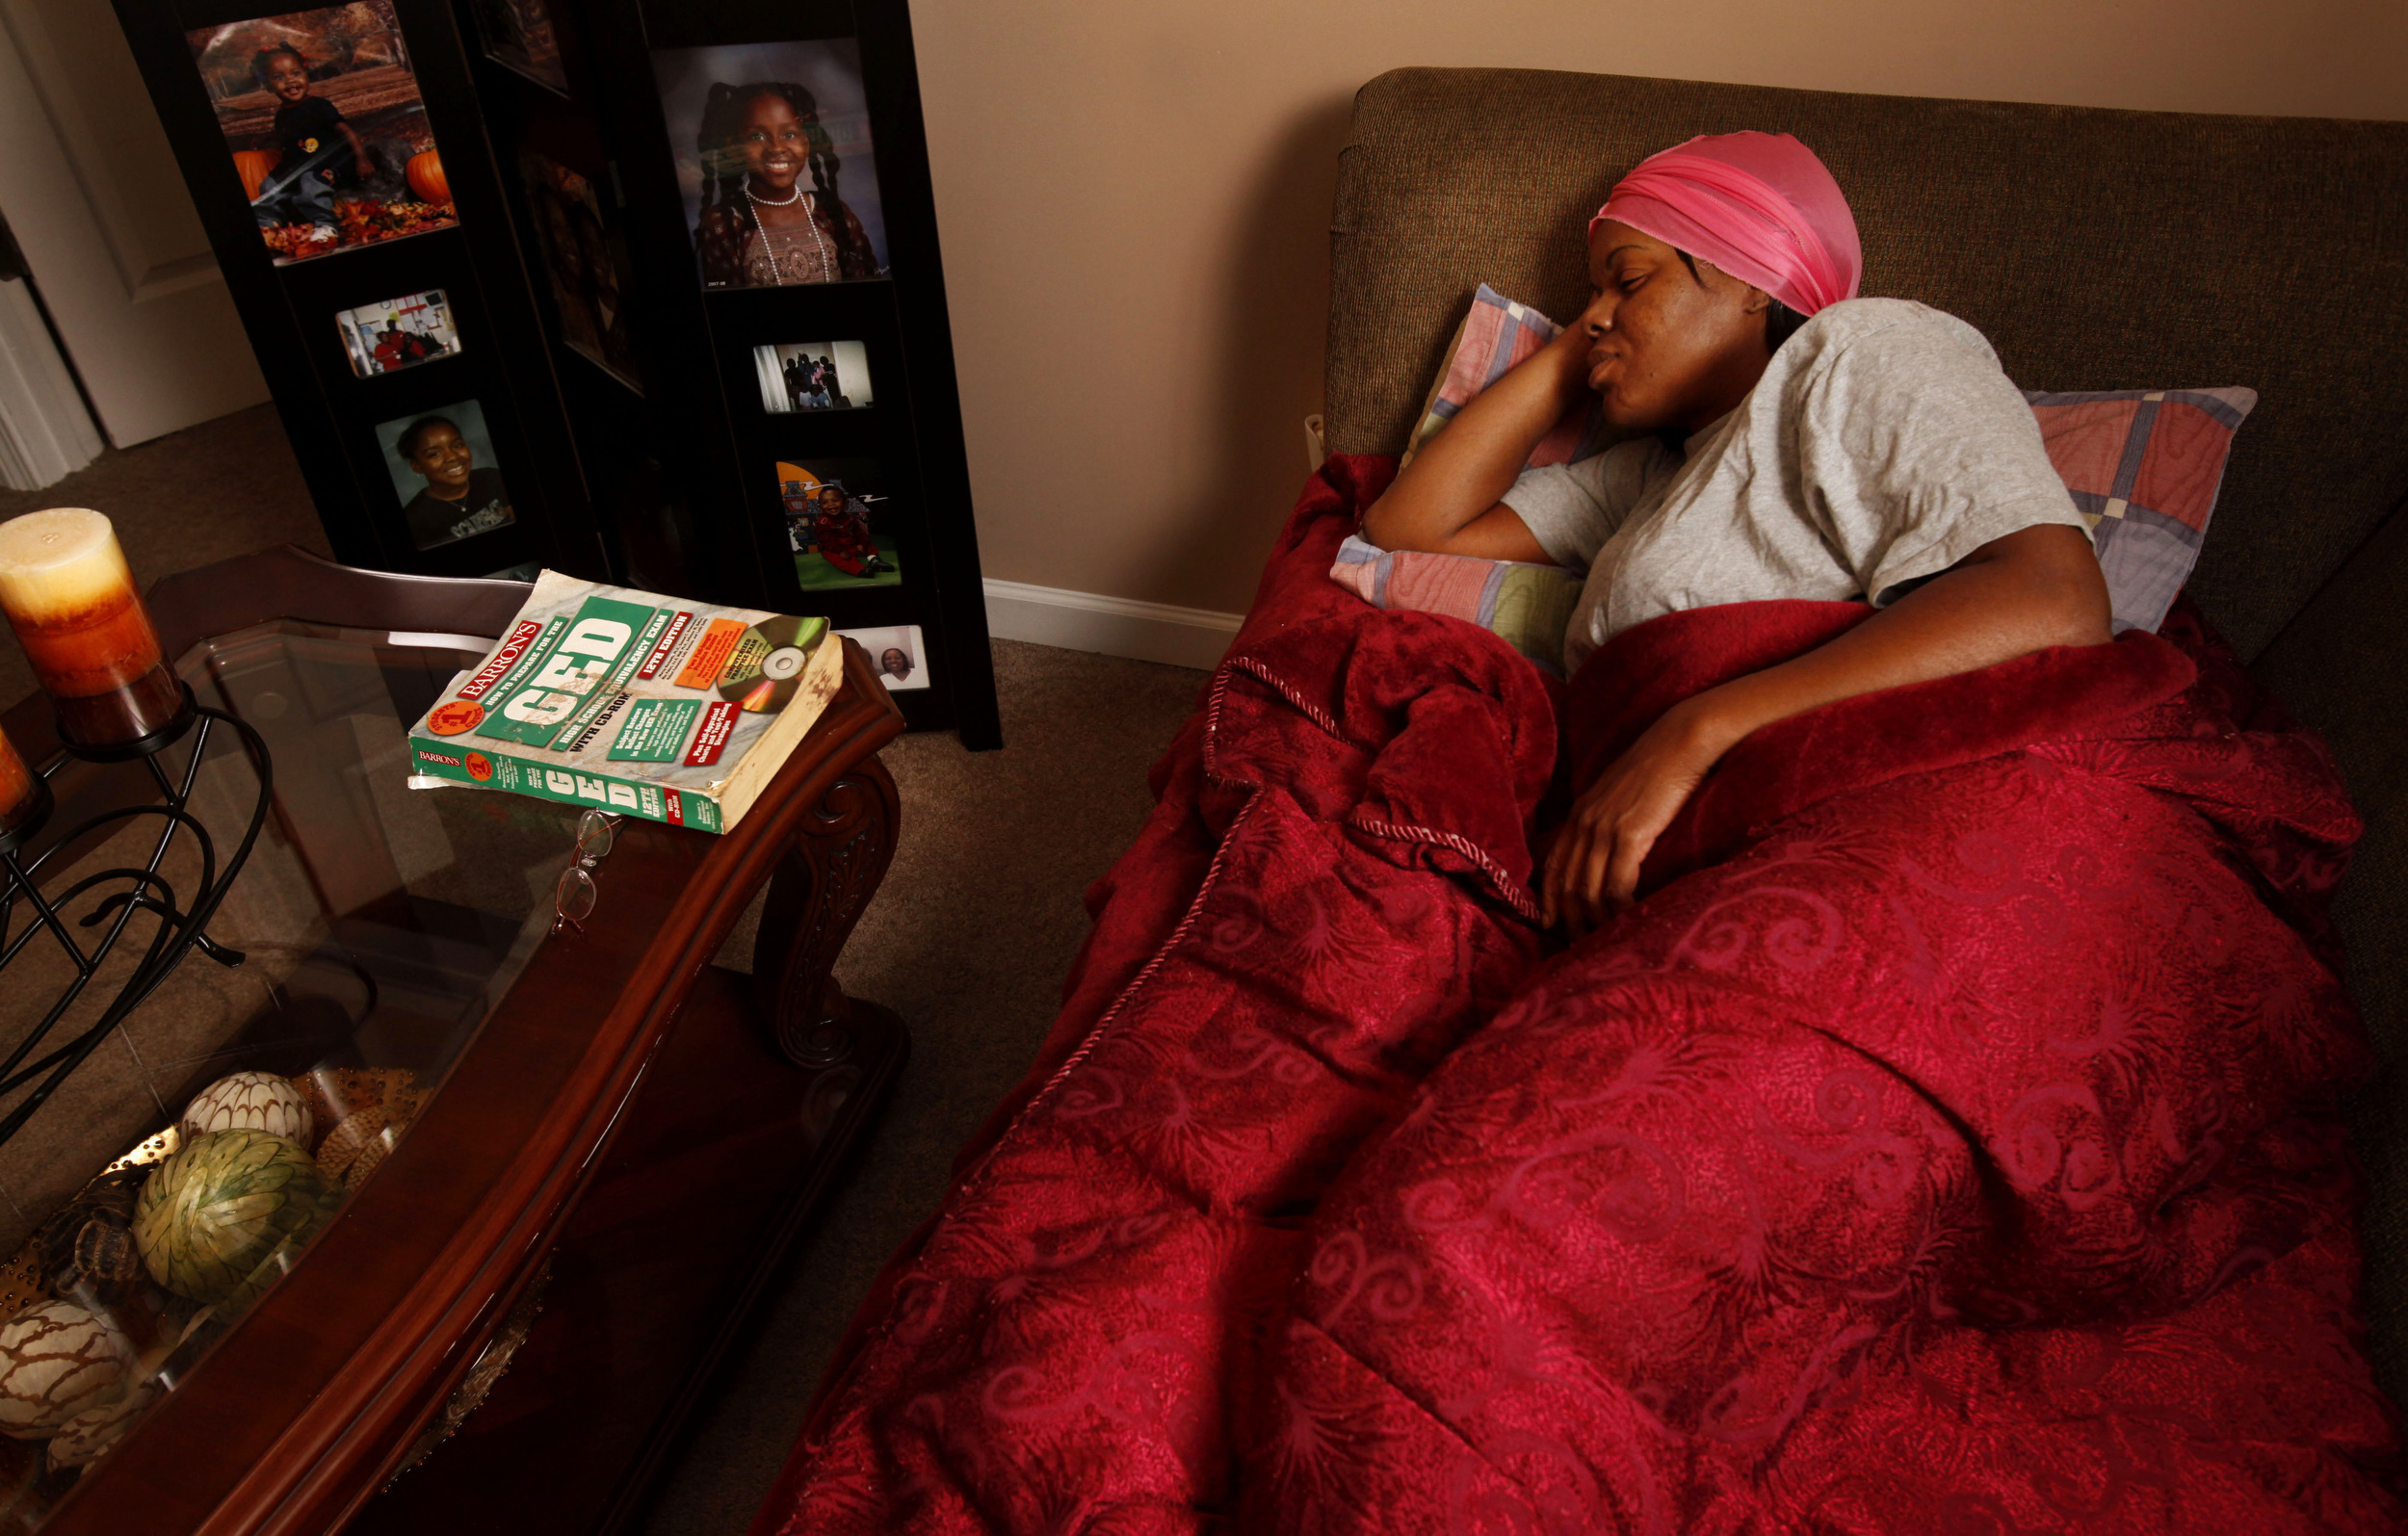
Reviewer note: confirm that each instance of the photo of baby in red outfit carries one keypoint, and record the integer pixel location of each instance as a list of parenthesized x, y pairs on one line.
[(836, 523)]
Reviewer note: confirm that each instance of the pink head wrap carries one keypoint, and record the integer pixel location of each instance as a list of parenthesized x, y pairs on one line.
[(1758, 205)]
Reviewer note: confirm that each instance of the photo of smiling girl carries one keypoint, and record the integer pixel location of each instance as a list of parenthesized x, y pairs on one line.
[(443, 469), (781, 186)]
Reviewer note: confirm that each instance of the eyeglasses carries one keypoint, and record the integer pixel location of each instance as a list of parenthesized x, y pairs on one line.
[(574, 898)]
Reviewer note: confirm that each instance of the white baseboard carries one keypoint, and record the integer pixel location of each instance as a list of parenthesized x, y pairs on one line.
[(1116, 626)]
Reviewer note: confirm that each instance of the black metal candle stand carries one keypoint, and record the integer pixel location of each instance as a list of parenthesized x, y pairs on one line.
[(115, 895)]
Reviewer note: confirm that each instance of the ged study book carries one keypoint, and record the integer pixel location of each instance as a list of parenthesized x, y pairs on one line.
[(633, 702)]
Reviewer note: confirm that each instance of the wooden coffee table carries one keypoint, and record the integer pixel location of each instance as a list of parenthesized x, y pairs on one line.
[(524, 1300)]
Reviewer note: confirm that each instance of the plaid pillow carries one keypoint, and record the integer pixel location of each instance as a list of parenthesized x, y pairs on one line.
[(1497, 333), (1528, 606), (2144, 467)]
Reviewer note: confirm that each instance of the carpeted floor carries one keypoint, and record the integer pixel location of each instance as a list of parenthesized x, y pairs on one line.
[(968, 939)]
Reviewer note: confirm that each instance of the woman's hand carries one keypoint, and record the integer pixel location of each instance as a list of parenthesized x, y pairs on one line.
[(2033, 589), (1592, 869)]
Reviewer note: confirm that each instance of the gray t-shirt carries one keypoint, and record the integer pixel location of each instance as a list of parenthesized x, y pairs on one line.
[(1882, 446)]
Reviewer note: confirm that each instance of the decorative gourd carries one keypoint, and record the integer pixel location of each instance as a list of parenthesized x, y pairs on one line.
[(87, 1249), (377, 1107), (213, 1212), (262, 1100), (82, 1438), (427, 178), (359, 1139), (253, 166), (334, 1094), (57, 1360)]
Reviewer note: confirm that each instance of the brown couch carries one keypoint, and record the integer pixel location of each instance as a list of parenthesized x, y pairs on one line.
[(2098, 249)]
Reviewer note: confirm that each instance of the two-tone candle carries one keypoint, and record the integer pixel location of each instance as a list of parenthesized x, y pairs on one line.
[(70, 598)]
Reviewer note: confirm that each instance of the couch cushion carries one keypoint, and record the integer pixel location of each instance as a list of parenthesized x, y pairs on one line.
[(2098, 249)]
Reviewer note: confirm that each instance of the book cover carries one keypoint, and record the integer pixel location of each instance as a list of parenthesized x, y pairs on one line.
[(628, 701)]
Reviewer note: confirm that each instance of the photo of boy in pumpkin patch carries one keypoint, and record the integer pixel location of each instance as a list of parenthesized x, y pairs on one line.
[(317, 147), (329, 133)]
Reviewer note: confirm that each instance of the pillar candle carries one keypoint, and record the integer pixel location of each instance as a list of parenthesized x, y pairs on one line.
[(70, 597)]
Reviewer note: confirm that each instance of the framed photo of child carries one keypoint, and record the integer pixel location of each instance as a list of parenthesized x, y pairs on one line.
[(398, 333), (837, 523), (813, 375), (898, 652), (321, 114), (518, 35), (446, 474), (774, 161), (581, 263)]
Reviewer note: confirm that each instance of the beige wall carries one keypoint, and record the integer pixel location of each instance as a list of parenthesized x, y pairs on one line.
[(1135, 197)]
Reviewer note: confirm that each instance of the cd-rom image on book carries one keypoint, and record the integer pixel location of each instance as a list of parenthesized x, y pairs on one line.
[(765, 666)]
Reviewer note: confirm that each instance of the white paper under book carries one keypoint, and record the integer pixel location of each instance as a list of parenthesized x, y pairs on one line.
[(629, 701)]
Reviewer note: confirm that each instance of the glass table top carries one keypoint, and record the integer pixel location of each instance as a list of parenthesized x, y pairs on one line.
[(188, 1163)]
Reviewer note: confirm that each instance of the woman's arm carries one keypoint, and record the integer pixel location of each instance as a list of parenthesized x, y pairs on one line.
[(2035, 587), (1446, 501)]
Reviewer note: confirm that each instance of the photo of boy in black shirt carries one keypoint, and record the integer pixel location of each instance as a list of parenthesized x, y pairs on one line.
[(461, 499), (328, 128), (319, 150)]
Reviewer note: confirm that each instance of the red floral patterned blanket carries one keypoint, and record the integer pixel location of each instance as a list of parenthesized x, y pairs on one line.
[(1948, 1142)]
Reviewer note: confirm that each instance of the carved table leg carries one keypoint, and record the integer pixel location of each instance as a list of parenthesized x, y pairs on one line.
[(817, 892)]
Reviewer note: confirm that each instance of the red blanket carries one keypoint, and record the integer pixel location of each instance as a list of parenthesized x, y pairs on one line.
[(1946, 1143)]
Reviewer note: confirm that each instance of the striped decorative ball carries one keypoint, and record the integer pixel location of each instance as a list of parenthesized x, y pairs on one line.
[(257, 1101), (221, 1204), (88, 1436), (57, 1360)]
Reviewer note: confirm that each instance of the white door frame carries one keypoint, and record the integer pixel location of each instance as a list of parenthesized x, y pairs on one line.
[(137, 303), (45, 432)]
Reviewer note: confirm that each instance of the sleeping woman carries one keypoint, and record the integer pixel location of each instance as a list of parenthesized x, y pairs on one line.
[(1796, 441), (1948, 1142)]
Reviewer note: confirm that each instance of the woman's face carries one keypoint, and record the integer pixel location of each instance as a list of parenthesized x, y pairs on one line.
[(776, 142), (443, 458), (894, 664), (1666, 349)]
